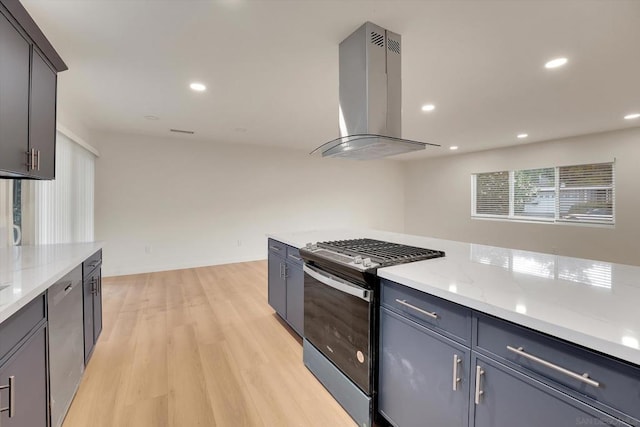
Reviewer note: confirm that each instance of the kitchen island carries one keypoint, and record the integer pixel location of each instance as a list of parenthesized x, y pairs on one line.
[(563, 331)]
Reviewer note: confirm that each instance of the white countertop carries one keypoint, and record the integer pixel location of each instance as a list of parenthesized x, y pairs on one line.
[(27, 271), (590, 303)]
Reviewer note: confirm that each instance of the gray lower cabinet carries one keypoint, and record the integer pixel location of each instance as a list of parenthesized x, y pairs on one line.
[(295, 296), (286, 284), (424, 376), (509, 375), (504, 397), (24, 375), (92, 308), (277, 284)]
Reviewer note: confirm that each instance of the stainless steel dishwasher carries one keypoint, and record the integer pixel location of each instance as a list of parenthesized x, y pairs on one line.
[(66, 343)]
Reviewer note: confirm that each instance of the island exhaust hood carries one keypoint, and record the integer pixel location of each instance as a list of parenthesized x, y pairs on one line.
[(370, 98)]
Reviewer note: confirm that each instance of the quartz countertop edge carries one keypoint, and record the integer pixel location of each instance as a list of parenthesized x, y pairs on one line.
[(590, 303), (27, 271)]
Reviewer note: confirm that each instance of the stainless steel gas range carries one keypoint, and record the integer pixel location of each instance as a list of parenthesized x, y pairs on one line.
[(341, 289)]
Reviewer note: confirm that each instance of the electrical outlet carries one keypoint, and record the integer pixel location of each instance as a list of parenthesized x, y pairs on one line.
[(148, 249), (239, 243)]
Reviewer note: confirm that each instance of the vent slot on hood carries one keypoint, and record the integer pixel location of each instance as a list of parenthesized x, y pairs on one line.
[(377, 39), (394, 46)]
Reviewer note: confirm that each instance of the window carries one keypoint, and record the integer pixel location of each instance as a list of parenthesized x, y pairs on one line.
[(62, 210), (579, 193)]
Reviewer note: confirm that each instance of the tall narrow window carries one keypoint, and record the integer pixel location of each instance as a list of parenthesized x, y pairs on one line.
[(62, 210), (492, 193), (586, 193), (534, 193)]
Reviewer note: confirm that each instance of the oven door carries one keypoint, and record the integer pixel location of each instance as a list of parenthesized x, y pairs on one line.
[(337, 321)]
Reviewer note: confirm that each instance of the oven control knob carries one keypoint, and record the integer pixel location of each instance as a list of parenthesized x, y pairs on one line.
[(366, 262), (358, 259)]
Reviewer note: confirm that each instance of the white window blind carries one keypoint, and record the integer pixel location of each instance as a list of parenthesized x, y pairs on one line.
[(578, 193), (62, 210), (534, 193), (587, 193), (492, 193)]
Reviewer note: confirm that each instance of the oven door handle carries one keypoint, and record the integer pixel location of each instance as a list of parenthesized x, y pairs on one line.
[(339, 284)]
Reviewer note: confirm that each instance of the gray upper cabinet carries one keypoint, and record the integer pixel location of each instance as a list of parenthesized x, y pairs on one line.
[(424, 376), (28, 82), (14, 98), (42, 119)]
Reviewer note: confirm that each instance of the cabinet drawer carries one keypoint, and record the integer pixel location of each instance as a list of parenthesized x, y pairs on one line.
[(293, 255), (91, 263), (277, 248), (18, 326), (446, 317), (617, 384)]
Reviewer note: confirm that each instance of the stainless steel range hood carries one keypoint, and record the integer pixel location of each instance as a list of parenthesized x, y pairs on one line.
[(370, 98)]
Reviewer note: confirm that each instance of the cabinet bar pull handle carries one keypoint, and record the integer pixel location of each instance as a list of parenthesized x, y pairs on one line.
[(456, 379), (281, 275), (284, 275), (295, 257), (30, 159), (418, 309), (275, 248), (38, 160), (479, 392), (580, 377), (11, 409)]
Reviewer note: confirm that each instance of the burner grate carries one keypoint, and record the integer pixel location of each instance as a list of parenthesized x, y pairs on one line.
[(385, 253)]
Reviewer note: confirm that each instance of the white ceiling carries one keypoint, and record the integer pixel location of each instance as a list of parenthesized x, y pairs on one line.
[(271, 67)]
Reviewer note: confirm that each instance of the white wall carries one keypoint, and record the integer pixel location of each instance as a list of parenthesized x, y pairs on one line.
[(189, 203), (438, 198)]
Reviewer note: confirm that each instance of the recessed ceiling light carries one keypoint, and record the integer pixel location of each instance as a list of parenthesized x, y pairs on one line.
[(522, 135), (555, 63), (151, 117), (453, 147), (198, 87), (632, 116), (428, 107)]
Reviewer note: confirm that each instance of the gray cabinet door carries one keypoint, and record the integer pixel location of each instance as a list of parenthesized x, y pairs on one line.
[(88, 287), (42, 120), (97, 305), (295, 297), (28, 366), (510, 398), (277, 285), (14, 98), (417, 373)]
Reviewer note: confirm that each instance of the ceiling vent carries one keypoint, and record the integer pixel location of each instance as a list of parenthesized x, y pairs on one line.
[(188, 132)]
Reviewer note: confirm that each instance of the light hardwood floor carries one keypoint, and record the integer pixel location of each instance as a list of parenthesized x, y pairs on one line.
[(198, 347)]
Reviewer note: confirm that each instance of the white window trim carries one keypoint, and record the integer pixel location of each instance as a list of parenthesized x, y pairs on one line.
[(556, 219)]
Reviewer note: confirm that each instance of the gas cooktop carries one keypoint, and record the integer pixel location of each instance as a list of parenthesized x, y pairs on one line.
[(365, 254)]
